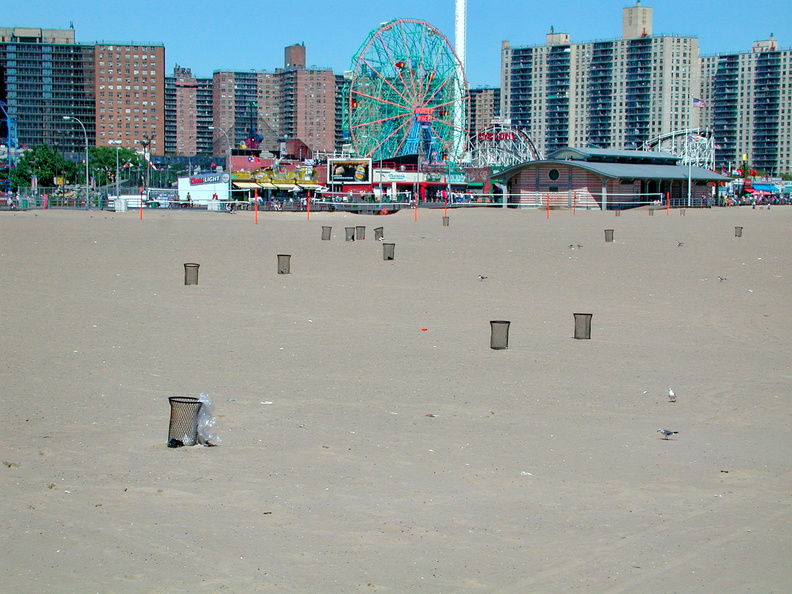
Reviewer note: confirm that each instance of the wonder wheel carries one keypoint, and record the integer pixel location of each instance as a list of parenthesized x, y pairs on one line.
[(407, 95)]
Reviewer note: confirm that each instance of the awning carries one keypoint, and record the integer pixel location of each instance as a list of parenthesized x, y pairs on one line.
[(267, 186), (308, 185), (765, 188), (284, 186), (245, 185)]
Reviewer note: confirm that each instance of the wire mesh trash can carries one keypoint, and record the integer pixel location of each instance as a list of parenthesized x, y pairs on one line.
[(445, 221), (284, 264), (183, 427), (379, 233), (608, 235), (582, 325), (350, 233), (499, 334), (191, 273), (326, 233), (388, 250), (738, 231), (360, 232)]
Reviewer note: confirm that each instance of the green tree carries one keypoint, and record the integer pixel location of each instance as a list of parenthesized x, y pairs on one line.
[(46, 163), (102, 163)]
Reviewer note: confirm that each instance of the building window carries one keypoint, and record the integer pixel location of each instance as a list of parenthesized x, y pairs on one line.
[(553, 174)]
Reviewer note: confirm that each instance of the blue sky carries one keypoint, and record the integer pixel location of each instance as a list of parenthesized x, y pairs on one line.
[(232, 35)]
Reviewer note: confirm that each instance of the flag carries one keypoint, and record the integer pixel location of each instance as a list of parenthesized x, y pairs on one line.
[(699, 102)]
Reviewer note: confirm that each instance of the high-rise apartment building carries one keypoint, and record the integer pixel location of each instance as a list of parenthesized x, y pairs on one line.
[(608, 94), (188, 114), (115, 91), (246, 109), (748, 105), (308, 109), (45, 76), (129, 86), (483, 108), (258, 109)]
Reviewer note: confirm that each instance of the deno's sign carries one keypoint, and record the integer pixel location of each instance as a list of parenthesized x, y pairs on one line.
[(209, 178), (497, 136)]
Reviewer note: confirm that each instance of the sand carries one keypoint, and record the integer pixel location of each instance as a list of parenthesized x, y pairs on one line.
[(371, 439)]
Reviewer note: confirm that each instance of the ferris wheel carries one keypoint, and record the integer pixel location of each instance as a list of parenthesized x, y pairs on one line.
[(407, 95)]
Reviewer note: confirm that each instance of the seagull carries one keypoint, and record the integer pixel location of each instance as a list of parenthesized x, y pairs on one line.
[(671, 395), (571, 246), (482, 277), (680, 244), (721, 278), (666, 433)]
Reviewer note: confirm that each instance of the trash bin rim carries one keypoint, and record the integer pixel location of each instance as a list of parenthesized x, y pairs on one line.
[(183, 399)]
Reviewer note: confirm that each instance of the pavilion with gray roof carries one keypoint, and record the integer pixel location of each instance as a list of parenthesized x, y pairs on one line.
[(607, 179)]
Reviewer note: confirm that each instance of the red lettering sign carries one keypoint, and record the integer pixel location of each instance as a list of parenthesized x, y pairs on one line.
[(497, 136)]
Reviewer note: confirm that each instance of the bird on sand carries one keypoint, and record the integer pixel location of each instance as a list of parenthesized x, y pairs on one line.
[(482, 277), (721, 278), (666, 433), (680, 244), (671, 395)]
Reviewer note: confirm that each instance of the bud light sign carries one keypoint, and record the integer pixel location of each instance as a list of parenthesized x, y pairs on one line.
[(209, 178)]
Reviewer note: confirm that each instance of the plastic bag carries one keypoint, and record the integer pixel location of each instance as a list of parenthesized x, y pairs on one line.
[(206, 422)]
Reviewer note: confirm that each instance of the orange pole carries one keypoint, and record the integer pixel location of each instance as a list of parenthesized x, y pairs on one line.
[(141, 205), (255, 206), (668, 203), (547, 197), (574, 203)]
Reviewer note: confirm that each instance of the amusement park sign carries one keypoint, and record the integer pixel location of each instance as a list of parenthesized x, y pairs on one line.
[(497, 136)]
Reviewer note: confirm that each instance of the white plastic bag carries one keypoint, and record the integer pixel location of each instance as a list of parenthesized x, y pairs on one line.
[(206, 422)]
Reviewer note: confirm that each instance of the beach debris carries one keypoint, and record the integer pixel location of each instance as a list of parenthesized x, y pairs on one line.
[(721, 278), (482, 277), (431, 415), (523, 473), (267, 402), (206, 435), (667, 433), (11, 464), (671, 395)]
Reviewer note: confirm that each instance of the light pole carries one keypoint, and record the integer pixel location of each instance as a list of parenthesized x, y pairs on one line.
[(228, 147), (146, 142), (116, 143), (228, 156), (87, 180)]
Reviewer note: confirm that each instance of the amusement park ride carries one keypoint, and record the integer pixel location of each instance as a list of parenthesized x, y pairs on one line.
[(10, 145), (695, 146), (406, 95)]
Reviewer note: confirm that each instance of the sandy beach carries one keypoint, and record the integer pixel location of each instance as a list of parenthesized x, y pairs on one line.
[(371, 439)]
